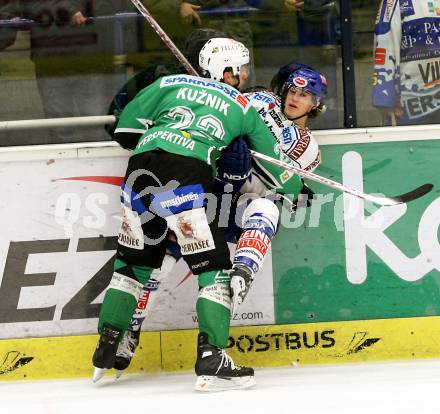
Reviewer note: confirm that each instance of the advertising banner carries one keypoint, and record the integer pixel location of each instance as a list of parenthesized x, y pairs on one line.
[(59, 221), (342, 259), (345, 259), (256, 346)]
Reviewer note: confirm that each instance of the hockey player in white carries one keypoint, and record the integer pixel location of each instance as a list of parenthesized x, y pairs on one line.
[(286, 116), (407, 66)]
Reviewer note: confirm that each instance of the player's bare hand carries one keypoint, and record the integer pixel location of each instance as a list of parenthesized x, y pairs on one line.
[(188, 13), (294, 5), (78, 19), (398, 110)]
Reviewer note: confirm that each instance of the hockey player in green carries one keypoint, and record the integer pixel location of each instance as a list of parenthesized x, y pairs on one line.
[(168, 175)]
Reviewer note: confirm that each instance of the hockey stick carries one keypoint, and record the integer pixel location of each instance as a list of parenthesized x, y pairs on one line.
[(165, 38), (383, 201)]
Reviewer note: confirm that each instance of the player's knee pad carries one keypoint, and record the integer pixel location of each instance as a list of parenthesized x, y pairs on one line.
[(260, 222), (218, 293)]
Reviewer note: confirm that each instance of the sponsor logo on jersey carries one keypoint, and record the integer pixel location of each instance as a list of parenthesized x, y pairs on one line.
[(186, 227), (128, 241), (130, 233), (169, 136), (205, 98), (315, 163), (430, 73), (199, 265), (192, 230), (176, 201), (300, 146), (275, 116), (288, 137), (151, 286), (179, 199), (389, 7), (263, 97), (195, 247), (223, 88), (242, 101), (407, 8), (254, 239), (380, 56), (433, 7), (285, 176), (143, 300)]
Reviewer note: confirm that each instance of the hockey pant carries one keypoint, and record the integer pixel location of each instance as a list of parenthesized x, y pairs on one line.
[(141, 249), (260, 220)]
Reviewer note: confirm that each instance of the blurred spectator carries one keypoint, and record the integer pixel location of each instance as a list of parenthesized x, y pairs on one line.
[(8, 33), (147, 76), (407, 61), (318, 22), (231, 17), (73, 48)]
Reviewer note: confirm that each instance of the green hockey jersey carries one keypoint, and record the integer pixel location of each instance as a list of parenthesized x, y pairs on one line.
[(198, 117)]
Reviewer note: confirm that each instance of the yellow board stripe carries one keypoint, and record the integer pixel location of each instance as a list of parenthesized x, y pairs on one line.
[(66, 357), (256, 346)]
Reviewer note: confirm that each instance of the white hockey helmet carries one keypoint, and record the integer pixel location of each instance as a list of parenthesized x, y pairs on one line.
[(220, 53)]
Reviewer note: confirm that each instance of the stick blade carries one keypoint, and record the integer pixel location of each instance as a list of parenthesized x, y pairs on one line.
[(407, 197), (414, 194)]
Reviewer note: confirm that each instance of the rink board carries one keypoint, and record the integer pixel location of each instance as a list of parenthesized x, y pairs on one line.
[(257, 346), (332, 291)]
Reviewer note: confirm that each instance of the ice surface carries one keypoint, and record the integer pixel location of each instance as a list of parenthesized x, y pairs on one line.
[(373, 388)]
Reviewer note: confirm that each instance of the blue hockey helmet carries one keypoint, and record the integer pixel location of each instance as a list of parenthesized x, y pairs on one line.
[(278, 81), (309, 80)]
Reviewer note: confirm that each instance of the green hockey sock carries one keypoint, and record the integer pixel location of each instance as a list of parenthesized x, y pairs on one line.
[(214, 320), (121, 298), (213, 306)]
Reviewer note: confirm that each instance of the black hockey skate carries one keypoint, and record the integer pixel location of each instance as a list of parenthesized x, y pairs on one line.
[(125, 352), (105, 352), (216, 370)]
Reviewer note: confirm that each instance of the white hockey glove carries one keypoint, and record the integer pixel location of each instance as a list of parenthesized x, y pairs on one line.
[(241, 280)]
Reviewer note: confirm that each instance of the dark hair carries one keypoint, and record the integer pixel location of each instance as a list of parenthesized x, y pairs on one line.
[(196, 41), (277, 82)]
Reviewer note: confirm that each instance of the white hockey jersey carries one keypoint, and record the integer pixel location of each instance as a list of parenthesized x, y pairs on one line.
[(297, 143), (407, 57)]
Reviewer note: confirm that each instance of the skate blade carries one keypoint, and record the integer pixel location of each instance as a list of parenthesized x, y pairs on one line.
[(98, 374), (118, 373), (208, 383)]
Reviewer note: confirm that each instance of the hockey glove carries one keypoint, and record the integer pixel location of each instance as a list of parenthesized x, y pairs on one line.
[(304, 199), (234, 165), (241, 280)]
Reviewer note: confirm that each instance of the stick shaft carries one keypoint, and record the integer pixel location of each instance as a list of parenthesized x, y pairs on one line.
[(303, 173), (165, 38), (325, 181)]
